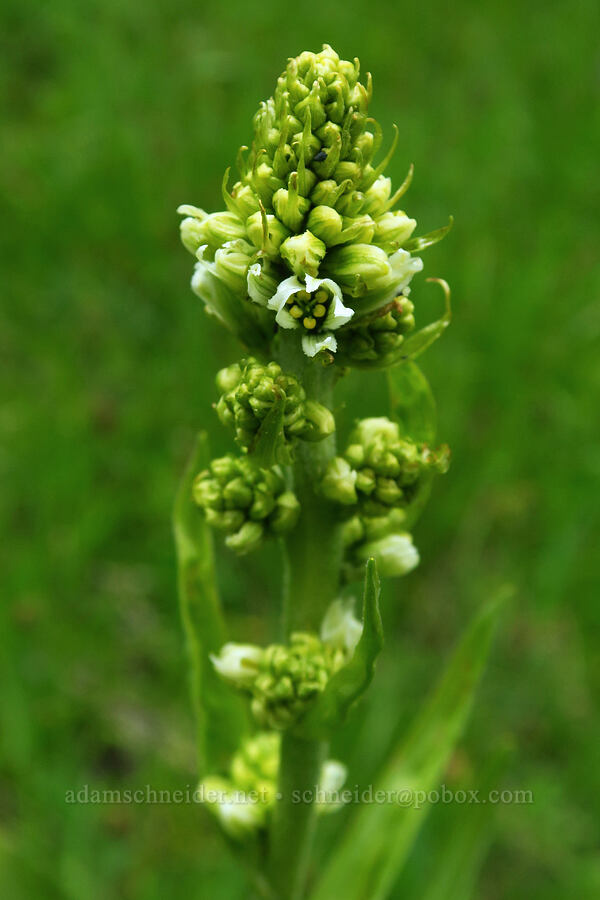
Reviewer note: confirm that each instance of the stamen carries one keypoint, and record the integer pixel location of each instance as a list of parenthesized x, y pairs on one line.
[(319, 310), (296, 312), (309, 322)]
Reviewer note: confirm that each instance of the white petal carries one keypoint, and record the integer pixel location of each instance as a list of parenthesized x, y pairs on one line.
[(284, 319), (312, 343), (254, 274), (337, 314), (284, 292), (404, 266)]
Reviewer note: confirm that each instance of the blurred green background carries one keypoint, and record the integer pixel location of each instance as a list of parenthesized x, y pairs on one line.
[(114, 113)]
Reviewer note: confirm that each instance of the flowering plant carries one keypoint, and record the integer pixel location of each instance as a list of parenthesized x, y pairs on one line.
[(310, 266)]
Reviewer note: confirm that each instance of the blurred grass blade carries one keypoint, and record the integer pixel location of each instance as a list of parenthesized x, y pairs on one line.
[(457, 867), (218, 712), (378, 839), (347, 685), (411, 402), (425, 337)]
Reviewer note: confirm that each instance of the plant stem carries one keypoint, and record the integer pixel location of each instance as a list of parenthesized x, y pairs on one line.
[(313, 555)]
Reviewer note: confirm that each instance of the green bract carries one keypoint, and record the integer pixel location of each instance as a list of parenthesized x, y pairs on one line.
[(246, 502), (311, 239)]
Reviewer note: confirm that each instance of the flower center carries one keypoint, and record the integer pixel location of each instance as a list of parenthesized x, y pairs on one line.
[(309, 309)]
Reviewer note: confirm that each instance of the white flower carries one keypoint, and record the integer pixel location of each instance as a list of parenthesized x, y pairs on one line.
[(395, 554), (337, 314), (260, 284), (238, 663), (333, 776), (239, 815), (404, 266), (340, 627)]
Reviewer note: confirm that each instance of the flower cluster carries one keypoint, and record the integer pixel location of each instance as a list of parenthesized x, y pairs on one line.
[(246, 502), (379, 480), (242, 802), (310, 239), (249, 392), (283, 680)]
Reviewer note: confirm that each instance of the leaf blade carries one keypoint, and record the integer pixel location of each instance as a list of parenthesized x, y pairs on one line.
[(353, 679), (218, 714), (385, 832)]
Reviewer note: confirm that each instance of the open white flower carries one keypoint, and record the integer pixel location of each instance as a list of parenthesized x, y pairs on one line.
[(340, 627), (238, 663), (315, 305)]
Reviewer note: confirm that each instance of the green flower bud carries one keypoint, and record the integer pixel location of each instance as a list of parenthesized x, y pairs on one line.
[(232, 261), (303, 253), (261, 282), (192, 234), (229, 378), (285, 514), (245, 200), (248, 503), (290, 207), (393, 228), (254, 388), (266, 238), (378, 340), (339, 482), (325, 223), (292, 677), (357, 267), (377, 196), (320, 421), (395, 554), (220, 228)]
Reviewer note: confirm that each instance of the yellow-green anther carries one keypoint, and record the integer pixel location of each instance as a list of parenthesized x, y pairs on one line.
[(303, 253)]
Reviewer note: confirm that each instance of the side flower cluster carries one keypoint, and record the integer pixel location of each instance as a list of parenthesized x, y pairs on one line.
[(243, 800), (311, 239), (249, 391), (244, 501), (284, 680), (379, 481)]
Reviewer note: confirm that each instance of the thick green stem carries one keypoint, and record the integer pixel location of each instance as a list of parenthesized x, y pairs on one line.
[(313, 555)]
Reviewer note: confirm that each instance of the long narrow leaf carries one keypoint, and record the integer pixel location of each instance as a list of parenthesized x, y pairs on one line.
[(455, 874), (374, 847), (218, 712)]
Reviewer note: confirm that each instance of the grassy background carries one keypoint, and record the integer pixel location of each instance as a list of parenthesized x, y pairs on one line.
[(114, 114)]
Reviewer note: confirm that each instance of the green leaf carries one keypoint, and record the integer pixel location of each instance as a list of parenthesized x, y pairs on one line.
[(219, 714), (419, 342), (367, 861), (269, 446), (469, 830), (426, 240), (412, 403), (351, 681)]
